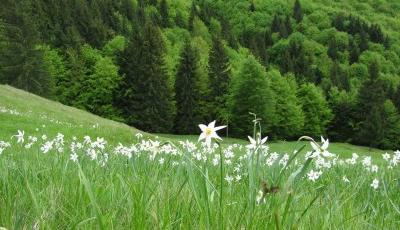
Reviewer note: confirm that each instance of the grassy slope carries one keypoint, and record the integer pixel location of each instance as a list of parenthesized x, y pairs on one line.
[(51, 192), (75, 122)]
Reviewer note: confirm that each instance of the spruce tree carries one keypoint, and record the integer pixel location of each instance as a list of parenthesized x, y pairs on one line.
[(339, 77), (396, 98), (297, 11), (163, 9), (276, 24), (363, 45), (354, 52), (145, 99), (288, 25), (252, 7), (192, 15), (21, 62), (253, 94), (341, 127), (370, 109), (187, 93), (316, 110), (333, 51), (391, 127), (289, 115), (219, 75)]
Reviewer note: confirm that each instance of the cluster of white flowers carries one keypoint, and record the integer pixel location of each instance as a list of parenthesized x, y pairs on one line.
[(375, 184), (3, 146), (392, 160), (9, 111), (314, 175), (234, 156)]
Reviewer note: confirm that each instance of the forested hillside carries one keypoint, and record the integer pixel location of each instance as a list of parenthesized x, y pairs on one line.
[(304, 67)]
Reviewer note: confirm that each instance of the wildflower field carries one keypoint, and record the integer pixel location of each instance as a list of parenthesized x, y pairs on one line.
[(62, 168)]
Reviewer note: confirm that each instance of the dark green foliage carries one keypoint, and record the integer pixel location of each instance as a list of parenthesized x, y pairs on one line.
[(289, 115), (163, 9), (396, 98), (21, 62), (192, 15), (317, 113), (101, 86), (341, 128), (333, 51), (253, 94), (145, 100), (371, 129), (288, 26), (297, 11), (354, 52), (187, 93), (391, 127), (219, 75), (370, 109), (363, 44), (339, 77), (276, 24), (252, 7)]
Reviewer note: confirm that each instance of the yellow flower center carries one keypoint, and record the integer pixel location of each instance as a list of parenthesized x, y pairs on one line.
[(208, 131)]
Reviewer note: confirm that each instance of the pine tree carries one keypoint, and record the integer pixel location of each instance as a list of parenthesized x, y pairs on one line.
[(341, 127), (288, 25), (333, 51), (338, 77), (297, 11), (163, 9), (192, 15), (252, 7), (21, 62), (316, 110), (338, 22), (253, 94), (396, 98), (289, 115), (268, 39), (370, 108), (372, 132), (145, 99), (391, 127), (363, 45), (354, 52), (219, 75), (276, 24), (187, 93), (283, 30)]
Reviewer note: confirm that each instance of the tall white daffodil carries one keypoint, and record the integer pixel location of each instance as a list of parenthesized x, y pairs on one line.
[(208, 132), (20, 136), (258, 142), (323, 149)]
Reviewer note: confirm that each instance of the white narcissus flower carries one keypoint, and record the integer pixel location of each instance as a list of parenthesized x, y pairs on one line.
[(375, 184), (321, 150), (254, 143), (139, 135), (20, 136), (386, 156), (209, 132), (314, 175), (74, 157)]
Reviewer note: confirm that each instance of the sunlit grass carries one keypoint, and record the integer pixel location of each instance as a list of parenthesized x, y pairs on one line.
[(50, 191)]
